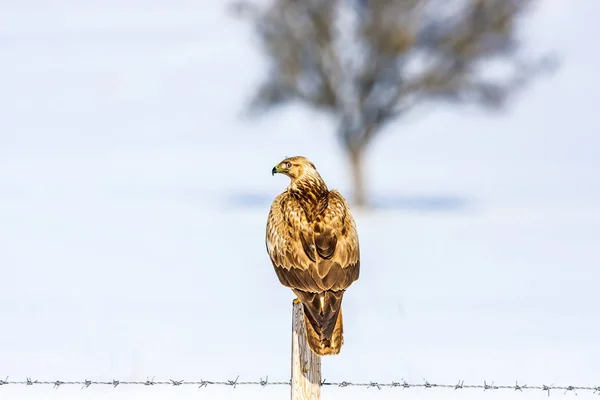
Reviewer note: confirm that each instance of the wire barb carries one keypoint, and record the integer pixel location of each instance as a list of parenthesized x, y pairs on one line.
[(570, 388), (233, 383), (547, 389), (265, 382), (519, 388), (204, 383)]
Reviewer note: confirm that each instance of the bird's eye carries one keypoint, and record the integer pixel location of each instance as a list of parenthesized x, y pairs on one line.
[(288, 164)]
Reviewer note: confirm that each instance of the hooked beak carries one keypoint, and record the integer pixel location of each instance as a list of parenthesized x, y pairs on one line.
[(274, 171)]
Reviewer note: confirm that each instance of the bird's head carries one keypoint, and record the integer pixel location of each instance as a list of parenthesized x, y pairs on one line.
[(295, 167)]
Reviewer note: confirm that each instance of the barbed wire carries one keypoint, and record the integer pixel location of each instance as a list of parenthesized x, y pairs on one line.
[(344, 384)]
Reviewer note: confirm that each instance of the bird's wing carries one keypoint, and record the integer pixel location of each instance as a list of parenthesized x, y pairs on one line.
[(336, 241), (287, 229)]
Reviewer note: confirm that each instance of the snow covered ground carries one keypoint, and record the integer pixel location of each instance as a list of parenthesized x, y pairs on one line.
[(133, 201)]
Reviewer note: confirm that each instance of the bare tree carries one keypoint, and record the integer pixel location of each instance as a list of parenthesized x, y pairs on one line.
[(368, 62)]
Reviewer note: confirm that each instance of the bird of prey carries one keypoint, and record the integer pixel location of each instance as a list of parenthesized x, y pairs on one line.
[(312, 241)]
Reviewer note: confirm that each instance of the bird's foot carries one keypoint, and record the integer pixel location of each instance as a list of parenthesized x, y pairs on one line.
[(296, 301)]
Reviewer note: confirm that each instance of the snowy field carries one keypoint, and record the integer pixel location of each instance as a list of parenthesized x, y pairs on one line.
[(134, 197)]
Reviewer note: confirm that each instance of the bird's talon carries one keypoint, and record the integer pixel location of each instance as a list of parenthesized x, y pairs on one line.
[(296, 301)]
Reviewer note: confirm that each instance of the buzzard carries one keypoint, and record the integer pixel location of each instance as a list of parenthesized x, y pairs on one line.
[(312, 241)]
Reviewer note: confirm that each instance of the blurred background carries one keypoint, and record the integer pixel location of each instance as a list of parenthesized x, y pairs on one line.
[(136, 144)]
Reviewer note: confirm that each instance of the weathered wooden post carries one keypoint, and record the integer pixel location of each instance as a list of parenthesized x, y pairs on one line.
[(306, 365)]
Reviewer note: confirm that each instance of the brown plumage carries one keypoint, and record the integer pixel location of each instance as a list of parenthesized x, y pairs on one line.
[(312, 242)]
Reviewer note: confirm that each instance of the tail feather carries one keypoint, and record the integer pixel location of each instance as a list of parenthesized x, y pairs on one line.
[(323, 320)]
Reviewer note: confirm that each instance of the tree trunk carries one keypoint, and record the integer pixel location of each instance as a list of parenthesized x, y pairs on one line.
[(356, 155)]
